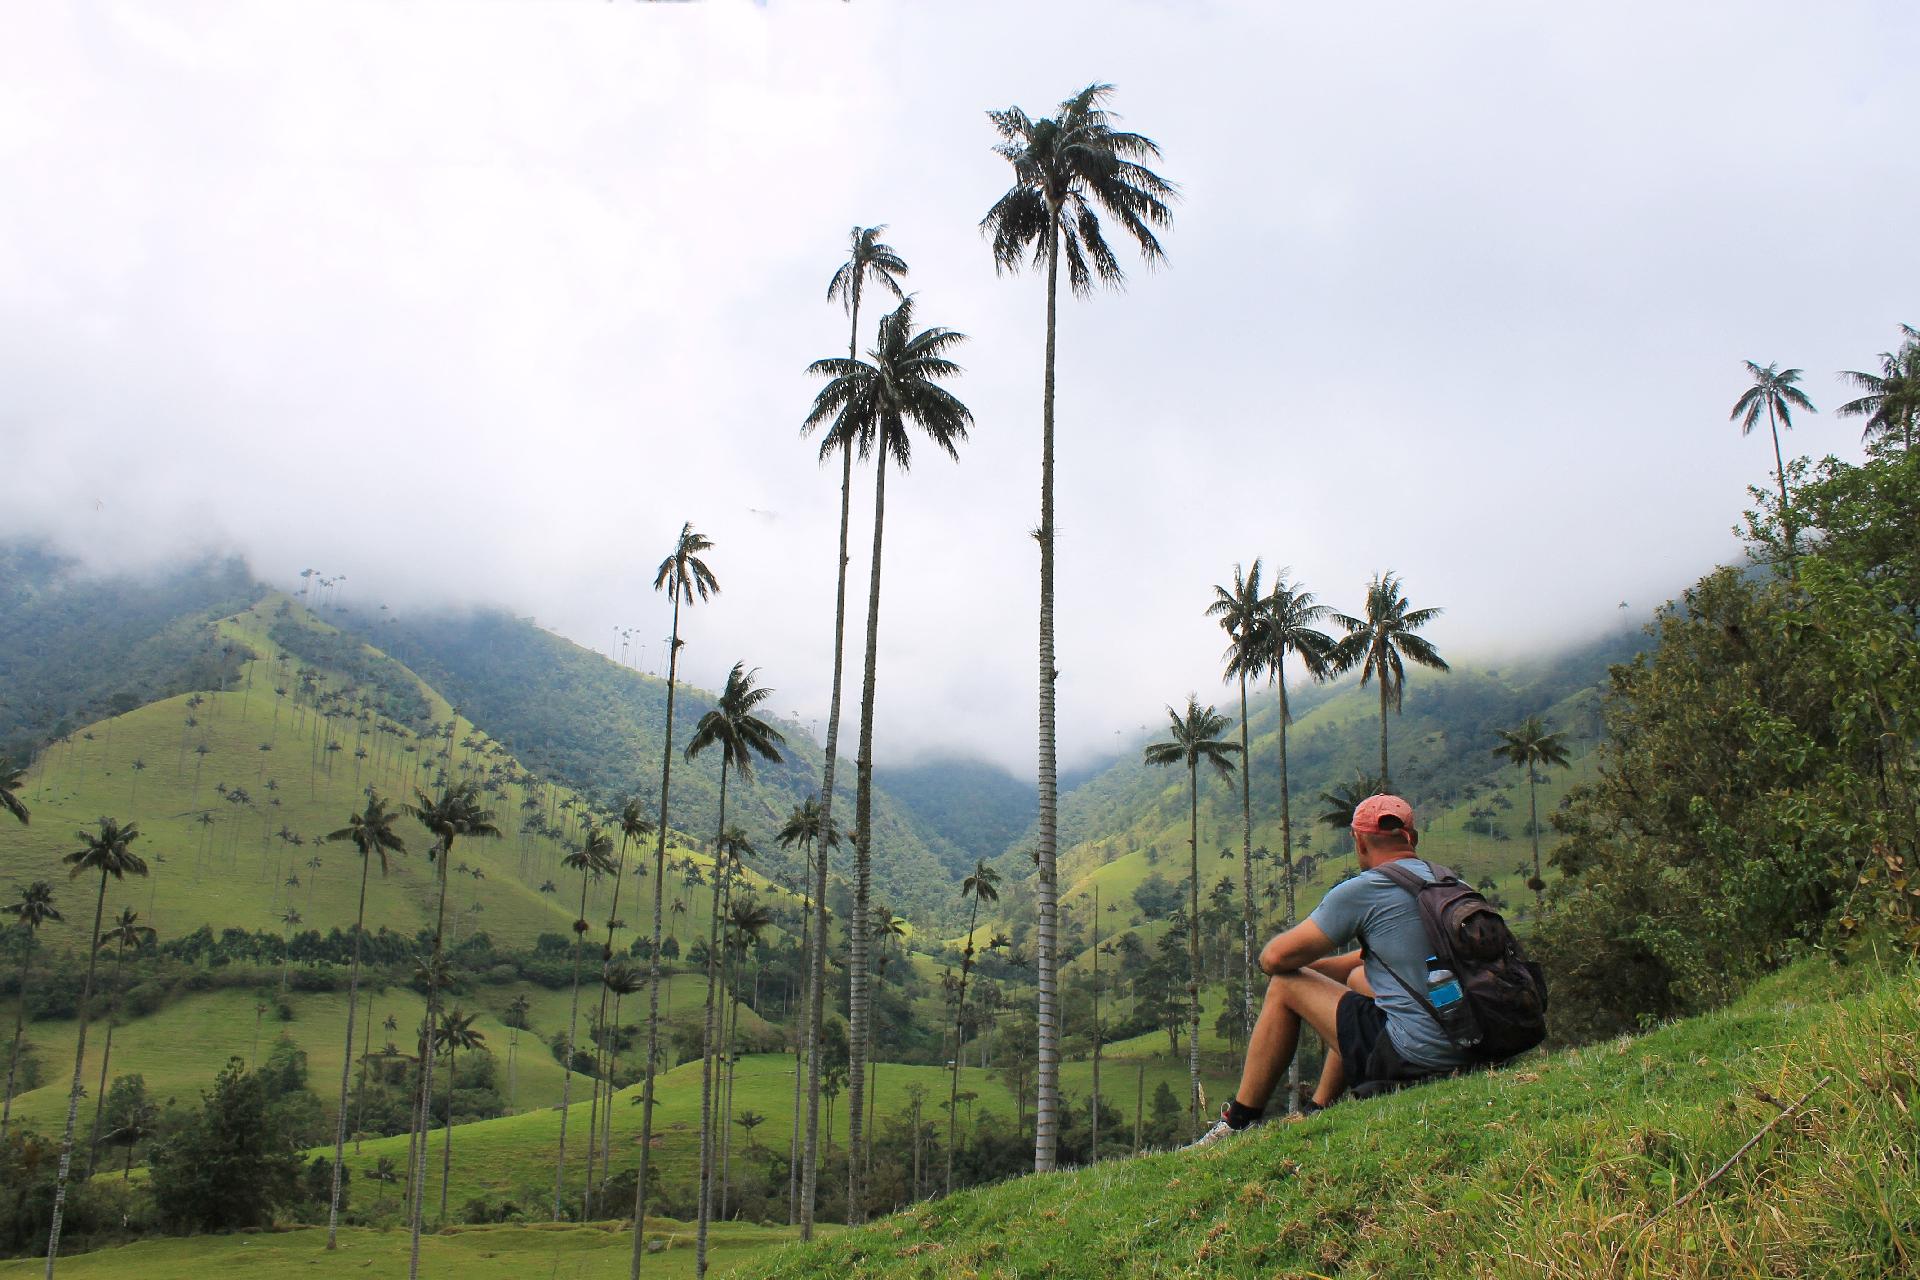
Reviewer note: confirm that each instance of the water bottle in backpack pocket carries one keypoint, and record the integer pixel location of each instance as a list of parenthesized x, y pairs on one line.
[(1450, 1006)]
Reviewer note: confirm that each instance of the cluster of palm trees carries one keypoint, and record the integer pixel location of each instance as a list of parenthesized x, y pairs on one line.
[(1265, 628)]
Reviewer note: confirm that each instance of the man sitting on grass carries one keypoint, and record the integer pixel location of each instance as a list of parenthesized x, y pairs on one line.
[(1373, 1028)]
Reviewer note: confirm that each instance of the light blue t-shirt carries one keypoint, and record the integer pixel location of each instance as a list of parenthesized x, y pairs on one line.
[(1385, 919)]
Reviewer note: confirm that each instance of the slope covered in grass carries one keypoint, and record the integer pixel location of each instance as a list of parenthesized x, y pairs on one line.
[(234, 791), (513, 1157), (473, 1253), (1575, 1165)]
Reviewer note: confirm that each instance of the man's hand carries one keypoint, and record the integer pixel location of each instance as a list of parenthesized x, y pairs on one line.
[(1295, 949)]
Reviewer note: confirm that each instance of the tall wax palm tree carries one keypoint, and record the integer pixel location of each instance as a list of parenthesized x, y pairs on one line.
[(868, 405), (981, 886), (457, 1032), (108, 851), (127, 934), (685, 577), (886, 930), (1292, 629), (1242, 612), (1891, 403), (1529, 746), (593, 858), (288, 919), (516, 1020), (457, 812), (634, 825), (1068, 168), (869, 259), (1773, 390), (623, 980), (735, 727), (1192, 738), (33, 909), (746, 920), (809, 826), (1382, 643), (371, 833)]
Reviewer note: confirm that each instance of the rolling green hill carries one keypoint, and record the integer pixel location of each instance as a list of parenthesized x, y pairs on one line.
[(1595, 1162), (233, 792), (592, 1252)]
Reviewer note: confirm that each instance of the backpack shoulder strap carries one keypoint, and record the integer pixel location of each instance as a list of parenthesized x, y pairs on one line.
[(1405, 877)]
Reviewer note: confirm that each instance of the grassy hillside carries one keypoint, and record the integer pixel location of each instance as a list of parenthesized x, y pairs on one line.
[(233, 792), (182, 1046), (513, 1157), (474, 1253), (1582, 1164)]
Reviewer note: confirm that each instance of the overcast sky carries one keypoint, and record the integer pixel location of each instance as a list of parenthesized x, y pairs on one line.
[(478, 301)]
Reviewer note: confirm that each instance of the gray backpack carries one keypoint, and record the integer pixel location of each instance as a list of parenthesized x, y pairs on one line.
[(1503, 1009)]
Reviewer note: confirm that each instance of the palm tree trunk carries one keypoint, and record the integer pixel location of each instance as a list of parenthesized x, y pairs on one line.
[(959, 1023), (1046, 1124), (606, 955), (1246, 867), (346, 1063), (1094, 1147), (1286, 854), (426, 1064), (19, 1029), (817, 979), (1780, 473), (1533, 822), (106, 1055), (73, 1094), (446, 1142), (800, 1041), (1386, 779), (653, 960), (1193, 941), (613, 1069), (720, 862), (566, 1074), (863, 868)]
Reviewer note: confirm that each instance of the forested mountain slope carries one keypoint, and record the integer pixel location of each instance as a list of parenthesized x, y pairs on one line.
[(76, 647), (575, 714)]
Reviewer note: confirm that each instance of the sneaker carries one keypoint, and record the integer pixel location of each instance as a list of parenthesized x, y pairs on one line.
[(1220, 1131)]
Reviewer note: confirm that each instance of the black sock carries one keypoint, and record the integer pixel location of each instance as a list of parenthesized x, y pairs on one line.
[(1239, 1115)]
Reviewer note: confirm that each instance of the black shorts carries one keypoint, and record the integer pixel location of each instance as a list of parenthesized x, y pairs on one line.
[(1366, 1050)]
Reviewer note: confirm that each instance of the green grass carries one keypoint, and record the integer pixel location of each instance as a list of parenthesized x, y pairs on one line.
[(181, 1047), (591, 1252), (235, 872), (515, 1155), (1574, 1166)]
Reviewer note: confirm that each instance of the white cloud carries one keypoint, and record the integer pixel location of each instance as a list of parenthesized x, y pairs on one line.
[(480, 302)]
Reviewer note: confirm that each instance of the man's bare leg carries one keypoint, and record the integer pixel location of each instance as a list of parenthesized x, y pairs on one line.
[(1304, 995)]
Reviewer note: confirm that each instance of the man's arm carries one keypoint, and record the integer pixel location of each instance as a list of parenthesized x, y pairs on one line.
[(1297, 948)]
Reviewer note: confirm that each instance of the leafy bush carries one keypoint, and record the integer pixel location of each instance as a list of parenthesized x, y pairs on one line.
[(1760, 787)]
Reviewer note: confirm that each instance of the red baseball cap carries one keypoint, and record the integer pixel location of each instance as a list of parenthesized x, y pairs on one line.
[(1382, 814)]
